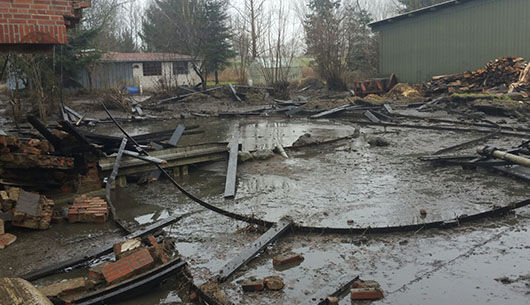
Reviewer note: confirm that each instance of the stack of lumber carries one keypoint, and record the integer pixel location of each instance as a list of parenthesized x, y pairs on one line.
[(501, 72)]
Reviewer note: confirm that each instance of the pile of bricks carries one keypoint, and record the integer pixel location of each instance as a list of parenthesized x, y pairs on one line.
[(88, 209), (133, 264), (366, 290), (37, 22)]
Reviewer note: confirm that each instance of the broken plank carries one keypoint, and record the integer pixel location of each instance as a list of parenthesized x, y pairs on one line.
[(231, 172), (466, 144), (388, 109), (143, 157), (371, 117), (234, 92), (113, 175), (175, 137), (345, 285), (281, 150), (72, 112), (258, 245), (293, 111), (330, 112)]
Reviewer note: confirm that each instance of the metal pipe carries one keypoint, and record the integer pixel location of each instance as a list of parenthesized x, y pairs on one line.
[(499, 154)]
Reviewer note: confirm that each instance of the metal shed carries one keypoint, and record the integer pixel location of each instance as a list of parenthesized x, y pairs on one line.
[(452, 37)]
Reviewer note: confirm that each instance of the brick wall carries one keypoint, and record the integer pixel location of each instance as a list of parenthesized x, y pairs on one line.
[(37, 22)]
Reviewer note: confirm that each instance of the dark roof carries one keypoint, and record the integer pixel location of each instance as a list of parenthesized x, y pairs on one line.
[(142, 57), (421, 11)]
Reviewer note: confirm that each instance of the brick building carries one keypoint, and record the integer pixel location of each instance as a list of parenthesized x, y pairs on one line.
[(37, 25)]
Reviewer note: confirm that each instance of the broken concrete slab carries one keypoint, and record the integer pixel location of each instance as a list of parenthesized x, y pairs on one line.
[(40, 219), (65, 288), (19, 291), (28, 203)]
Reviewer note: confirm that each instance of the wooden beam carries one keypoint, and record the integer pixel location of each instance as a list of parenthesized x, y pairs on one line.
[(231, 172), (259, 244), (175, 137), (330, 112), (234, 92)]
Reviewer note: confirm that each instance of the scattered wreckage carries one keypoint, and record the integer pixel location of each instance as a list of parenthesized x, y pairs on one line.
[(75, 159)]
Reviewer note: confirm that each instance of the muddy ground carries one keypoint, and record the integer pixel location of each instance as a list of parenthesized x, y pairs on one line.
[(346, 183)]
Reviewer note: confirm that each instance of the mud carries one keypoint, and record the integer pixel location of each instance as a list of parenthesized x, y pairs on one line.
[(349, 182)]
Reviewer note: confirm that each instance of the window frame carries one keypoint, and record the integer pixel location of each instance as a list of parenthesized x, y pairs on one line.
[(183, 70), (152, 69)]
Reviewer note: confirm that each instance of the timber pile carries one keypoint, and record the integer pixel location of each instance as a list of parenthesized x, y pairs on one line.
[(501, 72)]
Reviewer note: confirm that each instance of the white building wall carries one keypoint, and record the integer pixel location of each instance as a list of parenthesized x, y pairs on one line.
[(167, 78)]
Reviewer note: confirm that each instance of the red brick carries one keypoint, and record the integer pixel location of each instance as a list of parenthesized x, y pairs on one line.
[(157, 250), (129, 266), (252, 285), (7, 239), (287, 259), (366, 294)]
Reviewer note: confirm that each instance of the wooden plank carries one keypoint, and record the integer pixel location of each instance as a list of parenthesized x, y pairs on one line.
[(143, 157), (330, 112), (113, 175), (177, 134), (231, 172), (371, 117), (280, 148), (388, 108), (293, 111), (234, 92), (258, 245)]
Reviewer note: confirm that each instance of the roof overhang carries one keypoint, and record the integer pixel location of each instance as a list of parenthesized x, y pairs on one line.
[(422, 11)]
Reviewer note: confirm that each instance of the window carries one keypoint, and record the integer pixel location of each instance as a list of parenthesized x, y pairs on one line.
[(152, 68), (180, 67)]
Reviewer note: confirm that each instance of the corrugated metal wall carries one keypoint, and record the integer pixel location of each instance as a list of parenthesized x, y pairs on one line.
[(454, 39), (109, 75)]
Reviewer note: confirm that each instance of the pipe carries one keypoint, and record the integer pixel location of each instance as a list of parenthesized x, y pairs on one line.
[(503, 155)]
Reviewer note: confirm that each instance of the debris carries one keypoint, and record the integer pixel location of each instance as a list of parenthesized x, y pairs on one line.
[(273, 282), (332, 301), (403, 91), (258, 245), (263, 154), (287, 259), (499, 72), (231, 172), (16, 291), (32, 211), (252, 285), (2, 228), (365, 284), (245, 156), (157, 250), (95, 274), (378, 141), (88, 209), (234, 92), (281, 150), (331, 111), (129, 266), (344, 284), (371, 117), (213, 289), (305, 140), (66, 290), (124, 248), (177, 134), (366, 294), (423, 212), (7, 239), (375, 85), (503, 155)]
